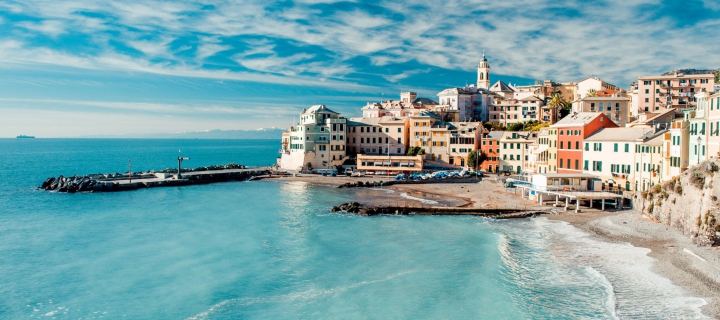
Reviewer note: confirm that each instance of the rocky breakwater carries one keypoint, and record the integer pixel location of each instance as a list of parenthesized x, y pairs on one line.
[(368, 184), (688, 202), (357, 208), (372, 210), (168, 177)]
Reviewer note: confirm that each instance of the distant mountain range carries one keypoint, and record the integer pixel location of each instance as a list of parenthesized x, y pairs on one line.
[(262, 133)]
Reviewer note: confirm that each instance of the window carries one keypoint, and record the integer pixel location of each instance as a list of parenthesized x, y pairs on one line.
[(576, 163), (587, 146), (562, 146), (600, 106), (615, 147), (504, 145), (647, 91), (577, 146), (627, 147), (585, 166), (399, 140)]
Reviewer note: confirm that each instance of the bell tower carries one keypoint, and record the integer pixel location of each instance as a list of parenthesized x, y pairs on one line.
[(483, 73)]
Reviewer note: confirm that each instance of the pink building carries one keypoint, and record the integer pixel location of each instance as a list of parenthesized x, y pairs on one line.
[(673, 91)]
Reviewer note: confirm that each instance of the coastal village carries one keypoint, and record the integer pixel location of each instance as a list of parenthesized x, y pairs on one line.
[(587, 135)]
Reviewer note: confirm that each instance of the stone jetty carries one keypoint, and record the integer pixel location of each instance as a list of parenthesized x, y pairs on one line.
[(166, 178), (495, 213)]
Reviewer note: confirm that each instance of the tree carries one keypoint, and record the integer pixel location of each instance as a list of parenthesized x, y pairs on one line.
[(493, 126), (556, 104), (717, 76), (537, 127), (413, 151), (592, 93), (476, 155), (518, 126)]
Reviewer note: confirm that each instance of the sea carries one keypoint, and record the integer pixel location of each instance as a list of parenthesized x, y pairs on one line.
[(273, 250)]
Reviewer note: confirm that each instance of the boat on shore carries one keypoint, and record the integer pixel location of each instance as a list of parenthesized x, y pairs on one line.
[(22, 136)]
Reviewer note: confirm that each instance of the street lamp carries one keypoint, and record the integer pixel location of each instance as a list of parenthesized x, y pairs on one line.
[(180, 160)]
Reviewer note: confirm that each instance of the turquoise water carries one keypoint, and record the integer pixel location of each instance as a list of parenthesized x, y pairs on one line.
[(272, 250)]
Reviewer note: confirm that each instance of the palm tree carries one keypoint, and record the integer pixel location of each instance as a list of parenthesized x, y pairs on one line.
[(592, 93), (555, 103)]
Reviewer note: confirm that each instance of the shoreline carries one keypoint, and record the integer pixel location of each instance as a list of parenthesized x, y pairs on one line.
[(695, 269)]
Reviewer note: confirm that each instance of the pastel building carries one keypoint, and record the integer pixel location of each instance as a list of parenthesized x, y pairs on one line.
[(573, 129), (377, 135), (491, 147), (464, 104), (713, 138), (317, 142), (592, 83), (609, 153), (514, 150), (614, 107), (649, 161), (552, 160), (671, 91), (538, 153), (409, 105), (464, 138), (698, 139), (679, 144)]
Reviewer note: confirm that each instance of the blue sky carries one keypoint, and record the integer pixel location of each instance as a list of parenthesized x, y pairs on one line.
[(74, 68)]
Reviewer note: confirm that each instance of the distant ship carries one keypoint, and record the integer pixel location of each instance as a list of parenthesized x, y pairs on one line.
[(22, 136)]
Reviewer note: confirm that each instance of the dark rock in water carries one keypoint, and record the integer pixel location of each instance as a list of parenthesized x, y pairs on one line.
[(47, 183), (335, 209), (84, 185)]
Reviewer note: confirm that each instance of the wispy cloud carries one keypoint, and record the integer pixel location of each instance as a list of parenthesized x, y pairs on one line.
[(52, 28), (354, 47)]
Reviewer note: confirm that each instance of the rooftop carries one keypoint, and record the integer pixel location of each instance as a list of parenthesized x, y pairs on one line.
[(578, 119), (679, 76), (318, 108), (618, 134), (566, 175)]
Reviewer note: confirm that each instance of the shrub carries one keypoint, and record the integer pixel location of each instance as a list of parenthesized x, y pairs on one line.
[(656, 189)]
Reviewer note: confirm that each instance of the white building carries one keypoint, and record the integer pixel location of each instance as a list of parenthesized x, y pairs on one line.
[(610, 154), (538, 153), (583, 86), (317, 142)]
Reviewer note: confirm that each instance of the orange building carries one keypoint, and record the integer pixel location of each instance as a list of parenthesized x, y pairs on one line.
[(572, 130), (491, 146)]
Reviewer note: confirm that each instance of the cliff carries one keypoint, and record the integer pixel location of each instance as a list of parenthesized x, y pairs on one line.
[(688, 202)]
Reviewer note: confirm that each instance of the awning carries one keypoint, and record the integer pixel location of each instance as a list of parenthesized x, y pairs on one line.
[(541, 149)]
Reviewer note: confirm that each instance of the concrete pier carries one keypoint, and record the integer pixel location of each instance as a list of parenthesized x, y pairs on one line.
[(125, 182)]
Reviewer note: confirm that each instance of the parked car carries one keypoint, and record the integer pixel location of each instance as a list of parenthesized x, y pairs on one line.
[(357, 174)]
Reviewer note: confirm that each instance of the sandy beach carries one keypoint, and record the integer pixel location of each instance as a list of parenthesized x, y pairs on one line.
[(696, 269)]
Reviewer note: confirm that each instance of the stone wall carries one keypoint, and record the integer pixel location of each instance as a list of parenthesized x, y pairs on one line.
[(688, 202)]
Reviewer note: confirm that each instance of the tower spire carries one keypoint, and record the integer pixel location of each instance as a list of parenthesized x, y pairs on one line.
[(483, 73)]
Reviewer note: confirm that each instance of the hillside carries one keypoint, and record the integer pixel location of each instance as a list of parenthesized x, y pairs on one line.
[(688, 202)]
